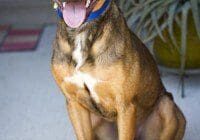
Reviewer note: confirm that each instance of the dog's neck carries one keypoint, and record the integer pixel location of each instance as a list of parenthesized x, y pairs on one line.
[(80, 53), (81, 40), (89, 28)]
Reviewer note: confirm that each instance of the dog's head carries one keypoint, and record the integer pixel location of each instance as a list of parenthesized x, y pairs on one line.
[(76, 12)]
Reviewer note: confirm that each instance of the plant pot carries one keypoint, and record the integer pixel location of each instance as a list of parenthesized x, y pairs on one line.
[(168, 55)]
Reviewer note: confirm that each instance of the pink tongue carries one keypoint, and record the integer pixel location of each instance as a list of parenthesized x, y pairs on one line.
[(74, 14)]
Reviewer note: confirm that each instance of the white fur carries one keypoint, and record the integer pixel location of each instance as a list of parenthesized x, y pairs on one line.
[(79, 78), (87, 3), (77, 54), (75, 79)]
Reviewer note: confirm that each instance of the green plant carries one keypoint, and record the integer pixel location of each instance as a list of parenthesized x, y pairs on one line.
[(151, 17)]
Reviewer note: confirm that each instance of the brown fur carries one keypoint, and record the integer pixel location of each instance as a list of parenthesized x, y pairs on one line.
[(131, 94)]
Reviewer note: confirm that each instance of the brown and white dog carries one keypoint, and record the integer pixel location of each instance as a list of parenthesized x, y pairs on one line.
[(109, 78)]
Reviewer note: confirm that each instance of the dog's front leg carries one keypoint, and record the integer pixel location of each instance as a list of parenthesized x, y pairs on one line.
[(81, 121), (126, 121)]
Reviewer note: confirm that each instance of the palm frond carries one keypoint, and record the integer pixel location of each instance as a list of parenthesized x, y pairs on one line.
[(184, 36), (150, 15), (155, 23), (195, 6), (171, 14)]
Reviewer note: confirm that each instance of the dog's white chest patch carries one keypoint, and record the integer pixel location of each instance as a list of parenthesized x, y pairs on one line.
[(79, 78), (78, 53)]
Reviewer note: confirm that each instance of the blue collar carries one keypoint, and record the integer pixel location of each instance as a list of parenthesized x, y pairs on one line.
[(93, 15), (96, 14)]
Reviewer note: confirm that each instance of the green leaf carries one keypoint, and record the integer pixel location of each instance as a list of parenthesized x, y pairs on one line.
[(183, 49), (154, 33), (146, 12), (171, 14), (151, 29), (178, 21), (149, 25), (196, 14), (155, 22), (147, 2), (133, 19)]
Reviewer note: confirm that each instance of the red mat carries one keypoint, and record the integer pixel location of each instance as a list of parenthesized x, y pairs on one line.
[(20, 39), (3, 32)]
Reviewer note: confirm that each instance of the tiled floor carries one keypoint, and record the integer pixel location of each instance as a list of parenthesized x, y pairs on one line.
[(31, 106)]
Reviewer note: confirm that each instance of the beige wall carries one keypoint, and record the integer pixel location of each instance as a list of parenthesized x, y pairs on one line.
[(31, 3), (26, 12)]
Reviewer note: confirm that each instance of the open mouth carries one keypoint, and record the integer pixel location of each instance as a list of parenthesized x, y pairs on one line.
[(75, 12)]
